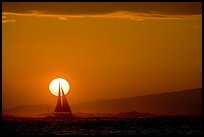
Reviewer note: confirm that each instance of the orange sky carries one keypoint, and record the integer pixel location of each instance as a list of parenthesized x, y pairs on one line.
[(104, 50)]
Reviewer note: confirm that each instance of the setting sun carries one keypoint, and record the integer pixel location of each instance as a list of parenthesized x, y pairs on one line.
[(54, 86)]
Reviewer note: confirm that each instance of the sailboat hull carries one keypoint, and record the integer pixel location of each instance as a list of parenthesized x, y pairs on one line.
[(60, 115)]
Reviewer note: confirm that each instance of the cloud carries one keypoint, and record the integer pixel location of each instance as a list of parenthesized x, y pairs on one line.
[(114, 15), (90, 8), (7, 21), (3, 17), (135, 11)]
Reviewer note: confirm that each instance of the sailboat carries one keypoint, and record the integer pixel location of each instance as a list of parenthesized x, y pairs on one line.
[(62, 103)]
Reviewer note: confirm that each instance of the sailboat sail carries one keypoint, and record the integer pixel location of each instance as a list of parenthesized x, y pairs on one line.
[(62, 106), (65, 104), (58, 107)]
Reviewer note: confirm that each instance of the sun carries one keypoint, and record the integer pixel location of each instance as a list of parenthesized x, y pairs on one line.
[(54, 86)]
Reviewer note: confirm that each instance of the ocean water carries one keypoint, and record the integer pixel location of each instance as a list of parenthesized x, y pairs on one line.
[(102, 126)]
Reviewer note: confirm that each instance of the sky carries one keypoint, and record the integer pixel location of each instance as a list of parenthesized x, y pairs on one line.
[(104, 50)]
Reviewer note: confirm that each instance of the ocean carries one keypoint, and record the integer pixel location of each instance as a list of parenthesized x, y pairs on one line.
[(102, 126)]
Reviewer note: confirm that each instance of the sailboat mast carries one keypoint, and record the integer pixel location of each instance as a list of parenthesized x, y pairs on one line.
[(58, 107)]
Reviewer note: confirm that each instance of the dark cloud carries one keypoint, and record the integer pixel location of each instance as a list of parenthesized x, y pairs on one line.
[(172, 8)]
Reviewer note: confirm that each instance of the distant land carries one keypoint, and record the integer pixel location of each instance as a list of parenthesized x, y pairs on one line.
[(184, 103)]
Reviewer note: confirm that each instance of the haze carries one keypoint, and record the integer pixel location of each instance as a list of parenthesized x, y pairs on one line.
[(104, 50)]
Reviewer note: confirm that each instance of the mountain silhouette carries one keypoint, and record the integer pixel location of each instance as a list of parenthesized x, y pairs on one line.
[(186, 102)]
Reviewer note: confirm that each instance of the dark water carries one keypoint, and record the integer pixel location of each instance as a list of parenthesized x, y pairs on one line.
[(157, 126)]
